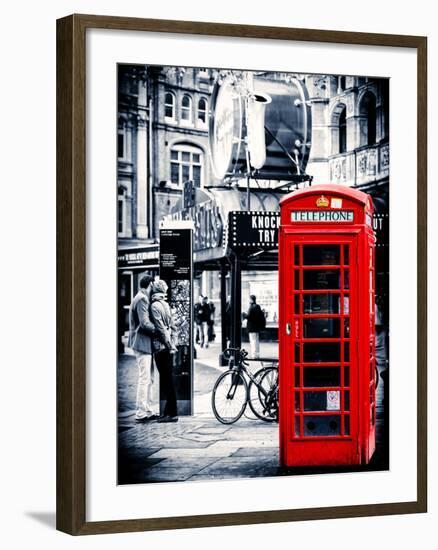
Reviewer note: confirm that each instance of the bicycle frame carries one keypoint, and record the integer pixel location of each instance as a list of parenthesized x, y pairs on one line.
[(242, 367)]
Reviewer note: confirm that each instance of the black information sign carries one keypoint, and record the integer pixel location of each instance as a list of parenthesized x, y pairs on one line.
[(254, 229), (176, 268)]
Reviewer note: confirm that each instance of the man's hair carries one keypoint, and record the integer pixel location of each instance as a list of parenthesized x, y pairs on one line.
[(252, 298), (145, 280)]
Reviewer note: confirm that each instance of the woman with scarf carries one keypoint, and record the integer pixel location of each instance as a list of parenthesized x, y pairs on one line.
[(164, 347)]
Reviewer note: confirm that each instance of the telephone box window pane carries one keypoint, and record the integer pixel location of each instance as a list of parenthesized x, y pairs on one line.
[(322, 425), (297, 353), (346, 425), (322, 352), (297, 377), (346, 376), (320, 377), (346, 327), (346, 254), (346, 352), (297, 255), (297, 303), (297, 426), (321, 303), (315, 401), (322, 328), (346, 305), (297, 400), (346, 279), (296, 279), (320, 279), (321, 255), (347, 401)]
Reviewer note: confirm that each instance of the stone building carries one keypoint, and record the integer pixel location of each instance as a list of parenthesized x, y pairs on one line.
[(180, 101), (350, 130), (162, 142), (350, 146)]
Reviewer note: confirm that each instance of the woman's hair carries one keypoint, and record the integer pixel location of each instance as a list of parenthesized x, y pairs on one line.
[(159, 286)]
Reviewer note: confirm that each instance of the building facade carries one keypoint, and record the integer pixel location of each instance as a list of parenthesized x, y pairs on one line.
[(162, 142), (350, 130), (350, 146)]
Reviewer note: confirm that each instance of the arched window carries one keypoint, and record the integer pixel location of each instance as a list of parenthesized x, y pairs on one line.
[(202, 110), (343, 131), (367, 112), (186, 108), (169, 105), (186, 163)]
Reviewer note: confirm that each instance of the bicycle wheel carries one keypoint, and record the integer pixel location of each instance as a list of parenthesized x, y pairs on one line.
[(229, 397), (263, 395)]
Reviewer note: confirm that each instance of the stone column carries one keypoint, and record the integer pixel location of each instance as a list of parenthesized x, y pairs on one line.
[(142, 165)]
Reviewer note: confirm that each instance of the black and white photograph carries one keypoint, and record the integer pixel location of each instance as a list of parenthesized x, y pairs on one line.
[(237, 357)]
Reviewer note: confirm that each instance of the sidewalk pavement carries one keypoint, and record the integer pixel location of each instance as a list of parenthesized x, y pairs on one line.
[(199, 447), (196, 447)]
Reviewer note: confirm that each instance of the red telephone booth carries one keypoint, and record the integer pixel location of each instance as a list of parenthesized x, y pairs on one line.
[(326, 330)]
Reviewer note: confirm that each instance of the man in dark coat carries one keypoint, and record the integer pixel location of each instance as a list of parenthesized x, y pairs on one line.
[(203, 316), (256, 322), (141, 330)]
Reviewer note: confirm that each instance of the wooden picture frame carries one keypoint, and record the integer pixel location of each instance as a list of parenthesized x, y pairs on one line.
[(71, 273)]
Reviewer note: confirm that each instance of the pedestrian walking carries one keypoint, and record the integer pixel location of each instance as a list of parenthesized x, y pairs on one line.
[(198, 322), (164, 348), (203, 316), (256, 322), (141, 331), (210, 323)]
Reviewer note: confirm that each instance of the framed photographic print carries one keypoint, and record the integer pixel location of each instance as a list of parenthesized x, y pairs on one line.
[(241, 229)]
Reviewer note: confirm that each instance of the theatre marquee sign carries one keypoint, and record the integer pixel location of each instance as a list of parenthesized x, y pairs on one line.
[(254, 229)]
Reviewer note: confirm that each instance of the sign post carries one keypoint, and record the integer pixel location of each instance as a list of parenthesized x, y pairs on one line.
[(176, 268)]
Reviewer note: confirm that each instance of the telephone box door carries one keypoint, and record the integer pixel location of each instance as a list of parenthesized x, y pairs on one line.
[(319, 378)]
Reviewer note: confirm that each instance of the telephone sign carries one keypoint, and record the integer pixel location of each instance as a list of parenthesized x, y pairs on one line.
[(322, 216)]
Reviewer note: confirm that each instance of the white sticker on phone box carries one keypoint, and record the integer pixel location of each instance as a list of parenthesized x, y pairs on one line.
[(336, 203), (333, 400)]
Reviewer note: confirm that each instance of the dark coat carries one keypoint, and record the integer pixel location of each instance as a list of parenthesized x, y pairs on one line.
[(255, 318), (141, 328), (203, 312)]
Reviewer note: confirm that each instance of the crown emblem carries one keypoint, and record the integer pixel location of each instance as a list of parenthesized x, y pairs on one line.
[(322, 201)]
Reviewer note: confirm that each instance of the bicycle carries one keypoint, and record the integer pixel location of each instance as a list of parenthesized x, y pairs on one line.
[(232, 393)]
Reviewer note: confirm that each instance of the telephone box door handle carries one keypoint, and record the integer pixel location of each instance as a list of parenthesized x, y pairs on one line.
[(288, 329)]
